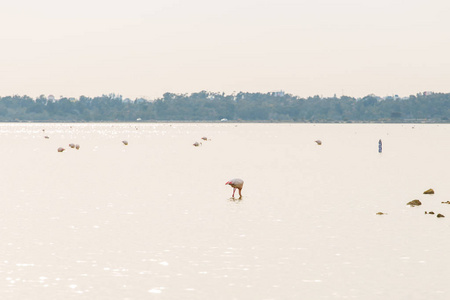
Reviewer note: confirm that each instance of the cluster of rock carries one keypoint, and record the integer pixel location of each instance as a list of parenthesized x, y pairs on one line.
[(417, 202), (432, 213)]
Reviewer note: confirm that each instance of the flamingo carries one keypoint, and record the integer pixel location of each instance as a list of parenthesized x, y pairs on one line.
[(236, 183)]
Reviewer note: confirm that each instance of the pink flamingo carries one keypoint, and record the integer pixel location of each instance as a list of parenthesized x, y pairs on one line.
[(236, 183)]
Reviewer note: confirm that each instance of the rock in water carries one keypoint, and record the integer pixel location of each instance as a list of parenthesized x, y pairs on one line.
[(414, 203), (429, 192), (381, 213), (440, 216)]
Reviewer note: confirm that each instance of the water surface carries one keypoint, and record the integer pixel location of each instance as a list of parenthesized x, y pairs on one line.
[(154, 219)]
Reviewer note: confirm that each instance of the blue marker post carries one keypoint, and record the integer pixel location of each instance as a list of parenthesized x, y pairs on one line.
[(380, 146)]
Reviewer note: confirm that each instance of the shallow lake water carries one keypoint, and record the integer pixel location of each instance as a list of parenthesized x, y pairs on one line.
[(154, 219)]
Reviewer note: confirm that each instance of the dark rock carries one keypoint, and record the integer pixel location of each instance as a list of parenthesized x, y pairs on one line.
[(440, 216), (429, 192), (431, 212), (381, 213), (414, 203), (446, 202)]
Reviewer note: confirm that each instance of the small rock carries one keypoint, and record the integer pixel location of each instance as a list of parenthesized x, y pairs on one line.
[(381, 213), (440, 216), (446, 202), (46, 137), (71, 145), (319, 142), (125, 142), (414, 203), (61, 149), (429, 192), (196, 144), (431, 213), (77, 147), (204, 138)]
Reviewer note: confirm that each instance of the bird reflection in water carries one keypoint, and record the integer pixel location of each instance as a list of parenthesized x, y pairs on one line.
[(236, 200)]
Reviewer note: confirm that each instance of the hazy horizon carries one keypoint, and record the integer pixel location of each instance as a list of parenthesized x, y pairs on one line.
[(146, 48)]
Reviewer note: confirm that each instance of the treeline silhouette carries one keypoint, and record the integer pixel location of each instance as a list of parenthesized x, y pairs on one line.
[(208, 106)]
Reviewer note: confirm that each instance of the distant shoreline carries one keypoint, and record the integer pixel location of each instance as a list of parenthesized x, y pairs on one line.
[(240, 108), (228, 122)]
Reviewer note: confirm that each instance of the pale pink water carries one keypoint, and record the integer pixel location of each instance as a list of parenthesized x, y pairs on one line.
[(154, 219)]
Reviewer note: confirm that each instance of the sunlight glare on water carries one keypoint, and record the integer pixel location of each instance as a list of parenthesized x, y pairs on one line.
[(154, 219)]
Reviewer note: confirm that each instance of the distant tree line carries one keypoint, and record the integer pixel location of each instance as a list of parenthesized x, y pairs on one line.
[(208, 106)]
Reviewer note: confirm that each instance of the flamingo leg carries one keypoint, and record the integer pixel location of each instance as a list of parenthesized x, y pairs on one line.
[(234, 190), (240, 195)]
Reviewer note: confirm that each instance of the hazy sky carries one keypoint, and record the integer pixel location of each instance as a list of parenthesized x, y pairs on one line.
[(144, 48)]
